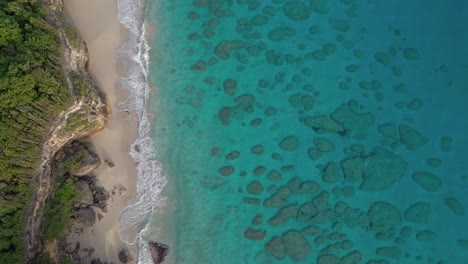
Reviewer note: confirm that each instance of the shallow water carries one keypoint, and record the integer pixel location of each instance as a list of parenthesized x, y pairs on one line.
[(297, 132)]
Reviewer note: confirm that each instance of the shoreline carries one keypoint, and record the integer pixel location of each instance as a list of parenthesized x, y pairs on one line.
[(99, 27)]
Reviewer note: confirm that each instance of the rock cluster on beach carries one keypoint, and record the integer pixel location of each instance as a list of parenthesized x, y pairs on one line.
[(78, 161)]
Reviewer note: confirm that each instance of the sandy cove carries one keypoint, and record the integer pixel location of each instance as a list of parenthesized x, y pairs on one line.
[(99, 27)]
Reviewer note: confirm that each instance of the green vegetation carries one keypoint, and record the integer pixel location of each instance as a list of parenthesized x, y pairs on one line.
[(82, 88), (60, 208), (33, 91), (78, 121)]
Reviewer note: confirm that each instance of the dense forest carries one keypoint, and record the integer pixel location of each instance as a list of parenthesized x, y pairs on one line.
[(33, 91)]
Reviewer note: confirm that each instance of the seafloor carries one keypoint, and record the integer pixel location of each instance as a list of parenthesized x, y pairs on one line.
[(311, 131)]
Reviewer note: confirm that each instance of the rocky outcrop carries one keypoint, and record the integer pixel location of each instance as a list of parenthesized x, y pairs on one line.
[(158, 251)]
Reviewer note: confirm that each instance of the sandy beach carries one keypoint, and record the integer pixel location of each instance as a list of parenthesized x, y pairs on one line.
[(99, 27)]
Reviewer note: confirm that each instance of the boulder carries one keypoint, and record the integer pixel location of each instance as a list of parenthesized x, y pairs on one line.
[(100, 196), (158, 251), (125, 256), (86, 216), (86, 195)]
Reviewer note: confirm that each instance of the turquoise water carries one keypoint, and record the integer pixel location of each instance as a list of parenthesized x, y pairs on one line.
[(311, 132)]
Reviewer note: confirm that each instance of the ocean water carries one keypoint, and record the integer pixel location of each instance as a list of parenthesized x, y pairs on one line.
[(293, 131)]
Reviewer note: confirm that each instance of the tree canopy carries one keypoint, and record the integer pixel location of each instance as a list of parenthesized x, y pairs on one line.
[(33, 91)]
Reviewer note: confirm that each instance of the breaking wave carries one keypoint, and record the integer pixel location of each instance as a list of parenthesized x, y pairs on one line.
[(150, 179)]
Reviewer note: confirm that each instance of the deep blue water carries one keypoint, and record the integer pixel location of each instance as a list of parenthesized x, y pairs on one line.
[(311, 131)]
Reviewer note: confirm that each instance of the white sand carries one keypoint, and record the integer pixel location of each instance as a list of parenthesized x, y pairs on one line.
[(97, 23)]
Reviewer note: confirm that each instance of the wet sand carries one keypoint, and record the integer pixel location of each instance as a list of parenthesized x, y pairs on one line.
[(98, 25)]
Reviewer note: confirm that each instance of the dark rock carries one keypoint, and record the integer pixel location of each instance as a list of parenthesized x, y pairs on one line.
[(125, 256), (86, 216), (86, 195), (158, 251)]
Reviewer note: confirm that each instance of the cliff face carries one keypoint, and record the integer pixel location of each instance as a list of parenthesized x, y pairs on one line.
[(87, 115)]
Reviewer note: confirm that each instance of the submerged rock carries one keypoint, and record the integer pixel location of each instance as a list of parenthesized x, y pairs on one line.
[(296, 245), (225, 47), (296, 10), (353, 168), (356, 124), (455, 206), (427, 181), (279, 198), (230, 86), (383, 169), (418, 213), (319, 6), (255, 233), (411, 54), (283, 215), (384, 218), (289, 143), (275, 247), (411, 138), (323, 124), (255, 187), (330, 173), (227, 170)]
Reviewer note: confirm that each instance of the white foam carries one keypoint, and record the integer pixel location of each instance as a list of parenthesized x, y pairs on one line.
[(150, 179)]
